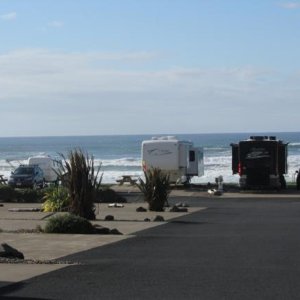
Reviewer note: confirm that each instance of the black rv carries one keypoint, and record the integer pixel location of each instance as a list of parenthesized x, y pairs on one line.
[(261, 162)]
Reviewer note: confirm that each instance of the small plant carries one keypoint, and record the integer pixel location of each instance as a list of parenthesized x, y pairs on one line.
[(79, 176), (56, 199), (155, 188), (69, 223)]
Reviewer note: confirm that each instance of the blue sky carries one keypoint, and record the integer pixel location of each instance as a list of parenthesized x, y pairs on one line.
[(156, 66)]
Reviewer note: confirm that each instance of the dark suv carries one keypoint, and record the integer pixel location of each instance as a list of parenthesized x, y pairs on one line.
[(27, 176)]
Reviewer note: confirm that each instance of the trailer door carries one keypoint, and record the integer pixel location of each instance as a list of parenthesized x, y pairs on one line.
[(192, 162), (196, 164), (235, 158)]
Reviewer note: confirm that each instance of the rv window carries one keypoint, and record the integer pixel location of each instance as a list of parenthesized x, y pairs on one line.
[(192, 155), (256, 153)]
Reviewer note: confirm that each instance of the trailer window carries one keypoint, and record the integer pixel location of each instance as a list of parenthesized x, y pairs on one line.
[(192, 155), (257, 153)]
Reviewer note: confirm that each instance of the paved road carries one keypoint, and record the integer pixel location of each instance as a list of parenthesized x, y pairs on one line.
[(236, 249)]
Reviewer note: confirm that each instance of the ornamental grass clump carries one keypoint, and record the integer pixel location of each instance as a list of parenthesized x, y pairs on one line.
[(82, 180), (56, 199), (155, 188)]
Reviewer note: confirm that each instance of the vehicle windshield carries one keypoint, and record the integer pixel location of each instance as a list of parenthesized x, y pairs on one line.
[(24, 171)]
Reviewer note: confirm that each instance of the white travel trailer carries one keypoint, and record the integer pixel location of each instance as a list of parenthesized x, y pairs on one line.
[(48, 165), (178, 158)]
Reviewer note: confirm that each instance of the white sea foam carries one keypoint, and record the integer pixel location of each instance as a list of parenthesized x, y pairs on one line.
[(215, 165), (7, 167), (217, 161), (124, 162)]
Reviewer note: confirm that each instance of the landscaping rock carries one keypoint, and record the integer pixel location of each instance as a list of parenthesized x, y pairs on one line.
[(10, 252), (181, 204), (178, 209), (215, 192), (115, 231), (26, 209), (158, 219), (183, 209), (218, 193), (175, 208), (118, 205), (141, 209), (101, 230), (109, 218)]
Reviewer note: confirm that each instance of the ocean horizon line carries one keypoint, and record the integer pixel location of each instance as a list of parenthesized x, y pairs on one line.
[(151, 134)]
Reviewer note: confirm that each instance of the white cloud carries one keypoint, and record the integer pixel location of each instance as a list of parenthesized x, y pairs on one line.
[(290, 5), (9, 16), (95, 93), (36, 71), (56, 24)]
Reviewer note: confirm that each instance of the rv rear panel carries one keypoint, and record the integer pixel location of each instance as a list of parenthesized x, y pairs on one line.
[(261, 161)]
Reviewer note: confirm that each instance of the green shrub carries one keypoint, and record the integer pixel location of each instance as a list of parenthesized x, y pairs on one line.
[(68, 223), (7, 193), (29, 196), (56, 199), (82, 181), (155, 188), (108, 195)]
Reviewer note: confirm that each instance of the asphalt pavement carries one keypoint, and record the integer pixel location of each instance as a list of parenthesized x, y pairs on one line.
[(235, 249)]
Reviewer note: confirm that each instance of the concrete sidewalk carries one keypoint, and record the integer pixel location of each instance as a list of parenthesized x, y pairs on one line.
[(44, 247)]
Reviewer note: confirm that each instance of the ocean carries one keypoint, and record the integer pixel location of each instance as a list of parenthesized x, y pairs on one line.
[(121, 155)]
